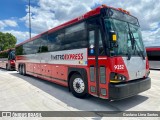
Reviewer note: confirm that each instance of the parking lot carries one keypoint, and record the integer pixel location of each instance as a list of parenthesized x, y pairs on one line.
[(26, 93)]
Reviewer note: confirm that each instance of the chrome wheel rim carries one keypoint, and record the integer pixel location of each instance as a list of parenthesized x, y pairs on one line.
[(78, 85)]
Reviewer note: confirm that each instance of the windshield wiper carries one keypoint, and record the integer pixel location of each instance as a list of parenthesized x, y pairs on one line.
[(129, 55), (134, 44), (141, 52)]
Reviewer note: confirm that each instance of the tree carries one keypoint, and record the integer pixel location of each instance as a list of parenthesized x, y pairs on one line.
[(7, 40)]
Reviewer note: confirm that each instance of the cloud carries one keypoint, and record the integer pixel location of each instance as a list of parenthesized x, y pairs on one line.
[(148, 14), (50, 13), (7, 23), (10, 23), (151, 38), (46, 14)]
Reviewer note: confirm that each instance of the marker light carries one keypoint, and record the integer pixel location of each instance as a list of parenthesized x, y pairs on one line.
[(104, 5), (122, 10)]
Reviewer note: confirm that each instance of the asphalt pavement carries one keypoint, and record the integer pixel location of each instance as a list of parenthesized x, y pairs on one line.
[(27, 93)]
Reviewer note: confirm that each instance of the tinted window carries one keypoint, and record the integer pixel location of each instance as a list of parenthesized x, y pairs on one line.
[(75, 37), (153, 55), (93, 23), (92, 42), (54, 41), (75, 28), (75, 40), (101, 48), (44, 43), (11, 55), (28, 48), (37, 45), (19, 50)]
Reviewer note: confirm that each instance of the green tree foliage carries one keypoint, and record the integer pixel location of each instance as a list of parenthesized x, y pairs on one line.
[(7, 40)]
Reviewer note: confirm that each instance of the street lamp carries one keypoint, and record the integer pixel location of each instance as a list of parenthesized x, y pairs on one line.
[(29, 20)]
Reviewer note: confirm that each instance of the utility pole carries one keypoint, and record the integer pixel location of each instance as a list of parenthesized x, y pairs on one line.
[(29, 20)]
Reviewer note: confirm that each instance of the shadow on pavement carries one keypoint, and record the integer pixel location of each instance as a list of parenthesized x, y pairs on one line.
[(89, 104), (4, 70), (155, 69)]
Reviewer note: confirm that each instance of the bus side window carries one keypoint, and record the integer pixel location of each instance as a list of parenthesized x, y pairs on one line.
[(20, 50), (44, 43), (11, 55), (54, 41), (101, 48), (37, 44), (92, 42)]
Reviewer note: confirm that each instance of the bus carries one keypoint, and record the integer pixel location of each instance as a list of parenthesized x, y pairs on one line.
[(153, 54), (7, 59), (99, 53)]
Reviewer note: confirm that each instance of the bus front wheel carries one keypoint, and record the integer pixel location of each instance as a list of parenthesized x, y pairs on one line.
[(78, 86)]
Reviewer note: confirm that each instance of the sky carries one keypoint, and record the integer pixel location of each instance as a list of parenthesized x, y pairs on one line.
[(46, 14)]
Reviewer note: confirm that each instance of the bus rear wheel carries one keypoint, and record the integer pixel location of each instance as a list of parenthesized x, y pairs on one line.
[(23, 69), (78, 86), (20, 69)]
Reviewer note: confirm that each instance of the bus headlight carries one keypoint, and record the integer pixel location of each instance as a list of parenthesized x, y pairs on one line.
[(116, 78)]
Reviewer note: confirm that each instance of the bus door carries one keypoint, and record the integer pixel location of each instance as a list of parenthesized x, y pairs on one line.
[(97, 63)]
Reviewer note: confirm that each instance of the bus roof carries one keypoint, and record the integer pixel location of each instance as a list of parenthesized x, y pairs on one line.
[(93, 12), (153, 48)]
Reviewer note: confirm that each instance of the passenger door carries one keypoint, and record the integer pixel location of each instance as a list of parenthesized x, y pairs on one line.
[(97, 63)]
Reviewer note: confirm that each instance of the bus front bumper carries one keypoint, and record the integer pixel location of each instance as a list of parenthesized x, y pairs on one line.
[(125, 90)]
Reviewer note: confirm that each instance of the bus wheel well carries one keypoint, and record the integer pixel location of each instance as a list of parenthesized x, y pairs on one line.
[(80, 71), (70, 75)]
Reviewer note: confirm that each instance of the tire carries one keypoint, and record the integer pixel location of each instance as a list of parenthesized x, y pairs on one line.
[(20, 69), (78, 86), (23, 70)]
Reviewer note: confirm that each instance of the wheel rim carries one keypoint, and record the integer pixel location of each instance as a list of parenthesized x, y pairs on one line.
[(78, 85)]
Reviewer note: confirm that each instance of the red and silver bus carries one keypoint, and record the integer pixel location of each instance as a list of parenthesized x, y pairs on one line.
[(7, 59), (153, 54), (100, 53)]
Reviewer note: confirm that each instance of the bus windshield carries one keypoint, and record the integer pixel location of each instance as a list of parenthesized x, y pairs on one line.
[(11, 55), (129, 39)]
